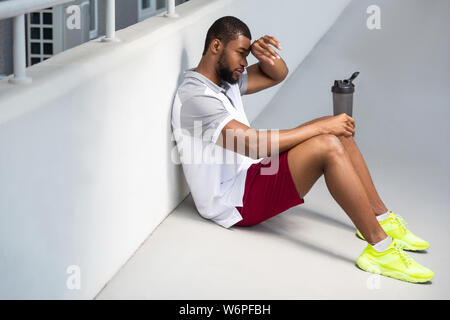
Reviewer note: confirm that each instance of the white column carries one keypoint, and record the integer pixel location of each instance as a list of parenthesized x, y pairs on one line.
[(19, 56), (171, 9), (110, 34)]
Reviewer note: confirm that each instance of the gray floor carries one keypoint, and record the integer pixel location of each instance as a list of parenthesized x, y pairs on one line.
[(308, 252)]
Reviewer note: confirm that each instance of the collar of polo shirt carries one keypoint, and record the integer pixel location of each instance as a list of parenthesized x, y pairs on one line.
[(191, 73)]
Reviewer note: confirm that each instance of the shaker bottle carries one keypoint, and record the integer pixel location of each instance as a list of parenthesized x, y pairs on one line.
[(343, 95)]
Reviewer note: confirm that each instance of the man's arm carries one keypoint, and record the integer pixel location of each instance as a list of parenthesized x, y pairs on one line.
[(263, 143), (260, 75), (269, 70)]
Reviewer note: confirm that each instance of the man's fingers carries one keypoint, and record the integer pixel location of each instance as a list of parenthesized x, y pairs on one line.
[(272, 52), (262, 55), (273, 41), (265, 52), (349, 133), (270, 40), (351, 119), (268, 50), (262, 49), (350, 129)]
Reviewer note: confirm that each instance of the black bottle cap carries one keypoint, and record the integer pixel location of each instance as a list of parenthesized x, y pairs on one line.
[(344, 86)]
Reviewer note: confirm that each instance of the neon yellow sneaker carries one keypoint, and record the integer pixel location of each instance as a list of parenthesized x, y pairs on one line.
[(396, 228), (394, 263)]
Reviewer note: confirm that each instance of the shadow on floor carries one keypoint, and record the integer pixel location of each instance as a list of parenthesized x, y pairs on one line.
[(266, 227), (314, 215)]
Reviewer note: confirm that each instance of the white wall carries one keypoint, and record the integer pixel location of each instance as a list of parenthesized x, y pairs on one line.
[(85, 165)]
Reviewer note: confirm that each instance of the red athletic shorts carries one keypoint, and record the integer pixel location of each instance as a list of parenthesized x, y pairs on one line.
[(267, 195)]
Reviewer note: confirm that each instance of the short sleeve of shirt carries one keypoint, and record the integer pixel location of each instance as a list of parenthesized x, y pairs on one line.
[(204, 116), (243, 82)]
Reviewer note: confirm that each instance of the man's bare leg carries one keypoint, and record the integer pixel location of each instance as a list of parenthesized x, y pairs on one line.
[(325, 154), (362, 170), (360, 166)]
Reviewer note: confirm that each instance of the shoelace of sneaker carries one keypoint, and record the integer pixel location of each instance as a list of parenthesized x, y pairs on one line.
[(401, 222), (406, 259)]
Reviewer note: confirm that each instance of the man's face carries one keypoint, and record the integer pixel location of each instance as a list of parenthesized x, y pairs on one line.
[(233, 59)]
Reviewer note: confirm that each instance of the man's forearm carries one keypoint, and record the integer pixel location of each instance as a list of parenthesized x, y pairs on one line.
[(278, 71), (277, 141)]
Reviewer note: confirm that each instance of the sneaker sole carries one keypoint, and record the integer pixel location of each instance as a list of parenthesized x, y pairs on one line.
[(367, 265)]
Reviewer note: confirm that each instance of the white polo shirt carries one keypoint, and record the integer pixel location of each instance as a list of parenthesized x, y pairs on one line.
[(215, 175)]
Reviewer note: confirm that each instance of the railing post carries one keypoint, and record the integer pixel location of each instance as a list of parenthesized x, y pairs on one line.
[(171, 9), (19, 57), (110, 22)]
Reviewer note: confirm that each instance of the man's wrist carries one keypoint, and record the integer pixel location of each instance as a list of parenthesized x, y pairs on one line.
[(318, 129)]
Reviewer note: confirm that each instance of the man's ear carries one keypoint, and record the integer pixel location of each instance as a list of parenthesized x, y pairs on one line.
[(216, 46)]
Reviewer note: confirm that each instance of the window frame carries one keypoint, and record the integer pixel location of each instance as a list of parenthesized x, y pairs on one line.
[(149, 12), (94, 32)]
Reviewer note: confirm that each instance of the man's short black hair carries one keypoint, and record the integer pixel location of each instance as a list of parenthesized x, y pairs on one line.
[(226, 29)]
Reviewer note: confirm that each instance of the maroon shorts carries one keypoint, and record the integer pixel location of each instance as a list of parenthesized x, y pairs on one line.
[(267, 195)]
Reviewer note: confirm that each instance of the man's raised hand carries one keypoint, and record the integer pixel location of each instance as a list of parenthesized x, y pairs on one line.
[(262, 50)]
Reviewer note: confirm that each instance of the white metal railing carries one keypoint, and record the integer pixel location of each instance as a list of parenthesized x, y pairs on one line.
[(17, 9), (110, 32), (171, 9)]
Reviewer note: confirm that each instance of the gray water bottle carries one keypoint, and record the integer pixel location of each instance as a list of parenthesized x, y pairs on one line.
[(343, 95)]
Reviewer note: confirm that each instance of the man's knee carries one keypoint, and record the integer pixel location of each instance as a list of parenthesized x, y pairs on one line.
[(329, 144)]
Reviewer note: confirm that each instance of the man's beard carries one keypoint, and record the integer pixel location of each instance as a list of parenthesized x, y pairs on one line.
[(224, 71)]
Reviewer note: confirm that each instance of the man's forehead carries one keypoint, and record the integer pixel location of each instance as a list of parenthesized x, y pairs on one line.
[(242, 42)]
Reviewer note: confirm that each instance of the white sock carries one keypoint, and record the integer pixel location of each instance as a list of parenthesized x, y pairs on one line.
[(383, 216), (382, 245)]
